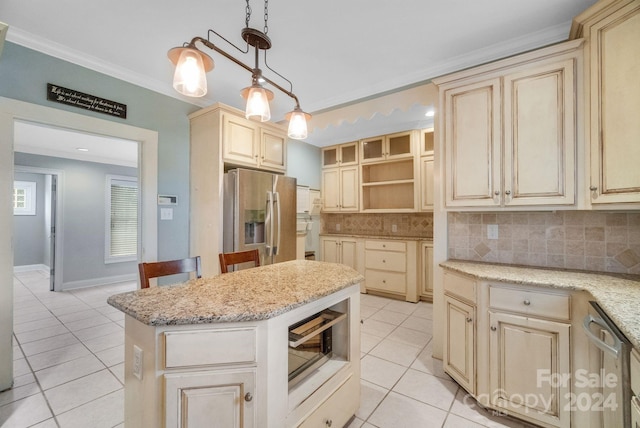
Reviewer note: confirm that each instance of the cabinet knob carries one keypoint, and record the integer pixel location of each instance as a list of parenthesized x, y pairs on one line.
[(507, 192), (329, 422), (384, 261), (493, 328), (593, 188), (256, 156), (527, 302), (469, 319), (497, 193), (248, 397), (384, 281)]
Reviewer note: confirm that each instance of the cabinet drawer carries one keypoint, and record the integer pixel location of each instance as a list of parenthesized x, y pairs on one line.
[(635, 372), (210, 347), (337, 409), (386, 281), (386, 245), (530, 303), (460, 286), (384, 260)]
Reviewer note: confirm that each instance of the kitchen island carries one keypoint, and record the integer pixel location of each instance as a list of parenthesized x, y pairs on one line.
[(217, 349)]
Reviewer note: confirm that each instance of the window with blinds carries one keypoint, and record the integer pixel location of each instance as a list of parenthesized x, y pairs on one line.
[(122, 219)]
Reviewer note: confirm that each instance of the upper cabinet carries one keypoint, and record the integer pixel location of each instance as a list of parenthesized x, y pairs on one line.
[(509, 130), (426, 170), (253, 144), (611, 30), (387, 147), (340, 155)]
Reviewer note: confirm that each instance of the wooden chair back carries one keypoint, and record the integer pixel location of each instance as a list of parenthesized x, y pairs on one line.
[(230, 259), (171, 267)]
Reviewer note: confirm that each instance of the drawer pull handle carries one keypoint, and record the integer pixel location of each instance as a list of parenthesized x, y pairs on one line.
[(527, 302), (469, 319), (493, 328), (384, 246), (248, 397)]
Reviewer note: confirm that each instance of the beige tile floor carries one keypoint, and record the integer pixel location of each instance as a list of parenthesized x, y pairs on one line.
[(68, 364)]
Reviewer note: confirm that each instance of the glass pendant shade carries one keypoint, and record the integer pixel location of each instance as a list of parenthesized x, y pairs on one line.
[(190, 78), (297, 125), (257, 103)]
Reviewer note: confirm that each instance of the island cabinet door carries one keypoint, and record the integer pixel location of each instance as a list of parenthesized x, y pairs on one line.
[(217, 398)]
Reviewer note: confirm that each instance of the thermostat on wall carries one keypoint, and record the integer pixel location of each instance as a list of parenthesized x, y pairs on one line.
[(167, 200)]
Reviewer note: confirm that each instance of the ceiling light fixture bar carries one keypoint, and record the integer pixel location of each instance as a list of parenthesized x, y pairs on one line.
[(193, 64)]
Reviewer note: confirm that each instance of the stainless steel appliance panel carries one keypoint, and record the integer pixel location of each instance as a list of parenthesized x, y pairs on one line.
[(259, 213), (609, 355)]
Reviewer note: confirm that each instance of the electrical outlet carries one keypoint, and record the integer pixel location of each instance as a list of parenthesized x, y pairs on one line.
[(394, 228), (337, 227), (137, 362), (492, 231), (166, 213)]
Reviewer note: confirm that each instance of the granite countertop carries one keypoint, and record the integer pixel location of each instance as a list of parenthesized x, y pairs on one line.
[(618, 295), (387, 237), (247, 295)]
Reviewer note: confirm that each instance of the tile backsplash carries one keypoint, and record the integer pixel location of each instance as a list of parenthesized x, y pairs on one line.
[(410, 224), (585, 240)]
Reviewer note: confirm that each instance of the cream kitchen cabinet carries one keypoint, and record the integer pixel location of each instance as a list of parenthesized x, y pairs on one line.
[(532, 97), (253, 144), (390, 268), (611, 30), (426, 170), (340, 189), (340, 155), (194, 399), (459, 351), (528, 343), (340, 250), (426, 271), (388, 147)]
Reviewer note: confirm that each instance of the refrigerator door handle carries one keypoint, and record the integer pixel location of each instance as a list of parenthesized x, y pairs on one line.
[(269, 225), (276, 197)]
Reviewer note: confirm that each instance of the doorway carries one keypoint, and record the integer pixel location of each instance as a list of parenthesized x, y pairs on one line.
[(82, 161), (10, 110), (44, 227)]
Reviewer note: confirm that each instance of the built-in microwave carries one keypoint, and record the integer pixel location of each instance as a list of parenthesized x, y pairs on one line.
[(311, 343)]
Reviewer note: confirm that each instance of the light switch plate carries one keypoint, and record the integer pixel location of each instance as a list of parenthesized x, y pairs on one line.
[(166, 213)]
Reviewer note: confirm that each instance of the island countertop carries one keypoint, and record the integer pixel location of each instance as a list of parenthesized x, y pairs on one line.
[(618, 295), (247, 295)]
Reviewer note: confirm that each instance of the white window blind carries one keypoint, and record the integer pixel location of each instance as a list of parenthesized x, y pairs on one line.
[(122, 222)]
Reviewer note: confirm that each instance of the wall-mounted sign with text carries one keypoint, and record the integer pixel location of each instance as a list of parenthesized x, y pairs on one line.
[(89, 102)]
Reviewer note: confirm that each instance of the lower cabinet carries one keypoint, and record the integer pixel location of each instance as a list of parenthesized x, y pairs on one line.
[(196, 399), (526, 355), (337, 410), (426, 271), (390, 268), (340, 250), (459, 351), (510, 346)]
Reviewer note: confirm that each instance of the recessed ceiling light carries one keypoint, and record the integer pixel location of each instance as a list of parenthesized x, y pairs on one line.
[(430, 113), (82, 149)]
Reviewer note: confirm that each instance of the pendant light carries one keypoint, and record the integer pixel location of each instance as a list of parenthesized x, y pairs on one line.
[(192, 65)]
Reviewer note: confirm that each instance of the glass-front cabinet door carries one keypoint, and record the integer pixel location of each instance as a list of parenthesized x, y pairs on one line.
[(330, 157), (349, 154), (399, 145), (373, 149), (387, 147)]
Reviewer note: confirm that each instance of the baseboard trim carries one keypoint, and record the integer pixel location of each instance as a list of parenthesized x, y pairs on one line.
[(99, 281), (31, 268)]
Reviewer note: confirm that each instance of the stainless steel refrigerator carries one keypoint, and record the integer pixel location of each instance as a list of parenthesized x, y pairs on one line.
[(260, 212)]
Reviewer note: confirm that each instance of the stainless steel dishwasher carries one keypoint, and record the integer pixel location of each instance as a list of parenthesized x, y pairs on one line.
[(609, 356)]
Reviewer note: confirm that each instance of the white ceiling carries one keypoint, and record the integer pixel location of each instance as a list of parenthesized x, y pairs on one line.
[(335, 52)]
